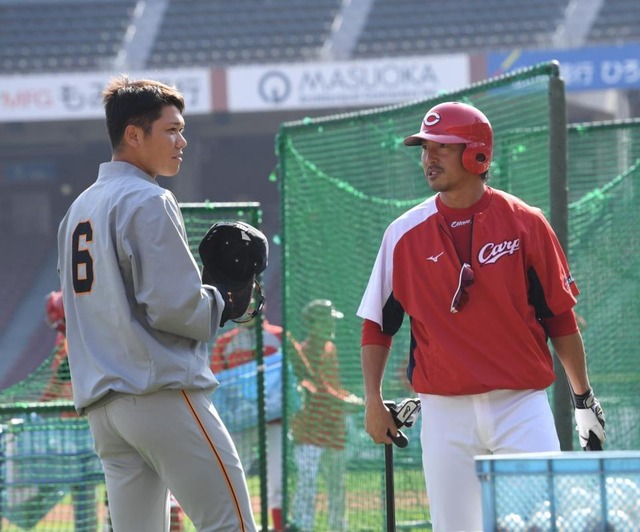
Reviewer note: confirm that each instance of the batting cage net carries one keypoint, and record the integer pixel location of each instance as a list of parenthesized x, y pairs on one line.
[(343, 179), (604, 251), (50, 476)]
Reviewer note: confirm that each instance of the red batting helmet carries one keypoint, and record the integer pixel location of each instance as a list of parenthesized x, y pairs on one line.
[(458, 123), (55, 311)]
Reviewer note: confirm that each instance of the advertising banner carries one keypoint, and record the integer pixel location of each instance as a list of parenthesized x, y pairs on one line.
[(79, 96), (583, 69), (344, 84)]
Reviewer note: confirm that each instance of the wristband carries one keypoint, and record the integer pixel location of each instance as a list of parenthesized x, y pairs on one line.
[(582, 400)]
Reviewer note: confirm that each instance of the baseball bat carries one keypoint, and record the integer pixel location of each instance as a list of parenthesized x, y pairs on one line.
[(389, 487), (403, 416), (593, 444), (400, 440)]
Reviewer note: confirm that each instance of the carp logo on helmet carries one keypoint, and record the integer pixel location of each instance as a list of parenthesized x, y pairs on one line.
[(431, 119)]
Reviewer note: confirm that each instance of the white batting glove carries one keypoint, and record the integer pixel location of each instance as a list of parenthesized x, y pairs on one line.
[(406, 412), (589, 419)]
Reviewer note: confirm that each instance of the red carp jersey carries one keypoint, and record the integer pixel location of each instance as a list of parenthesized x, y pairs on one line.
[(321, 420), (497, 340)]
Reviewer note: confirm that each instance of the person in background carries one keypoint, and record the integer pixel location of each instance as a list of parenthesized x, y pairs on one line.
[(59, 385), (319, 427), (59, 388), (234, 348), (486, 284)]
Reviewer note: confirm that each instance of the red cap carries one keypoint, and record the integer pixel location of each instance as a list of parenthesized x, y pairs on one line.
[(55, 311)]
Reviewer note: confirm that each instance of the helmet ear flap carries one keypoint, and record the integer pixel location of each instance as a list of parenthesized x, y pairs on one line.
[(476, 158)]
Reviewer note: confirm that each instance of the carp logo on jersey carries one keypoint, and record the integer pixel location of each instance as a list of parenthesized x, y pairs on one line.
[(490, 253)]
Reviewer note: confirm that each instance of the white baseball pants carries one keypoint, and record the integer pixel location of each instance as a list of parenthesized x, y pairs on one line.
[(307, 459), (274, 465), (457, 428)]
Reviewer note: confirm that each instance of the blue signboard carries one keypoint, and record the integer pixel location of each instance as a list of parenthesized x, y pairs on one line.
[(28, 171), (583, 69)]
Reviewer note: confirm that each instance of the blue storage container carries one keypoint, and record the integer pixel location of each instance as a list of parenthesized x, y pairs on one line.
[(236, 398), (563, 492), (41, 458)]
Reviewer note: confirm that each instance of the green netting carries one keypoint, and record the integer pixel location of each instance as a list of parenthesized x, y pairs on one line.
[(604, 242), (249, 435), (242, 389), (343, 180), (50, 477)]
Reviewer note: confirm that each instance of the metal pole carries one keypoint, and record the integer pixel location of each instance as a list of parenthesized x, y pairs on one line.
[(559, 219), (262, 433)]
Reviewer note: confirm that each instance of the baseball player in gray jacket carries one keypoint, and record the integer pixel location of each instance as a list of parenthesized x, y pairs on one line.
[(138, 323)]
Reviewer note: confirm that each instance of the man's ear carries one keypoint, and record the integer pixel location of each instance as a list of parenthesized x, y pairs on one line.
[(131, 136)]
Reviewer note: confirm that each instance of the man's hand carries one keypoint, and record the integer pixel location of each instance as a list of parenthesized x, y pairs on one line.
[(378, 421), (590, 421), (351, 398)]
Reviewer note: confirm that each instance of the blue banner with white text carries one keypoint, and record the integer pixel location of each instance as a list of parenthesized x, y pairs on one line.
[(583, 69)]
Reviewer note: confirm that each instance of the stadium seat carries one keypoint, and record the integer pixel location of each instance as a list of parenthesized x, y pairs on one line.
[(244, 31), (618, 23), (222, 33), (403, 27), (74, 36)]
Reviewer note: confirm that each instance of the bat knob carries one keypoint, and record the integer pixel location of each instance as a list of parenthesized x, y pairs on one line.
[(400, 440), (594, 443)]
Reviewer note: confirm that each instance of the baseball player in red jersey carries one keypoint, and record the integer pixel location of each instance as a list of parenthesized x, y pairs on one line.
[(237, 346), (59, 385), (234, 348), (139, 323), (485, 282), (319, 427)]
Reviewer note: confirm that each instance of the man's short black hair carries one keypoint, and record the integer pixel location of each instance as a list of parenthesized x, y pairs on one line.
[(137, 103)]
